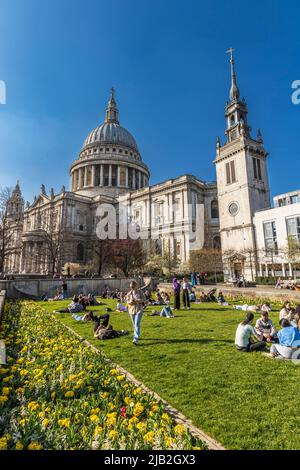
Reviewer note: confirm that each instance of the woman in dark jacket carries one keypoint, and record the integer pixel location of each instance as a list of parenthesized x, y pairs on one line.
[(176, 289)]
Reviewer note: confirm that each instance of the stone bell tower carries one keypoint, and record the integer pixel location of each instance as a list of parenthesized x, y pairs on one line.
[(243, 186)]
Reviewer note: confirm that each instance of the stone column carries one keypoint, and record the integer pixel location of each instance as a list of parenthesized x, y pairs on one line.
[(133, 178), (126, 181), (283, 270), (85, 176), (140, 179), (290, 270), (118, 173), (109, 175), (93, 175), (101, 175), (80, 179)]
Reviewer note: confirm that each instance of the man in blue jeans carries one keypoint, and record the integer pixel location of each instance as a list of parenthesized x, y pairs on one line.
[(136, 301)]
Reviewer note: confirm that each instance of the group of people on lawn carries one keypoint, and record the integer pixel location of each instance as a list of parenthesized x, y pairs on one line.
[(248, 338), (283, 344)]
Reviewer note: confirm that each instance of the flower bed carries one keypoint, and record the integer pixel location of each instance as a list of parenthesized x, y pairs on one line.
[(55, 393)]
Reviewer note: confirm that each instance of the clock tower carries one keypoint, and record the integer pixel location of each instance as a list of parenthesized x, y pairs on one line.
[(243, 186)]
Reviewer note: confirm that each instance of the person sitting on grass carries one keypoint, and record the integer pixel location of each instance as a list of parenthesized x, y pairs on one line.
[(203, 297), (286, 311), (103, 330), (166, 298), (165, 312), (159, 299), (266, 307), (58, 295), (192, 296), (73, 307), (121, 308), (296, 318), (289, 341), (265, 326), (246, 338), (221, 299), (91, 301)]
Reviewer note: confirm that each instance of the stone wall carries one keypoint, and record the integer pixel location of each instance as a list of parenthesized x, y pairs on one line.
[(35, 288)]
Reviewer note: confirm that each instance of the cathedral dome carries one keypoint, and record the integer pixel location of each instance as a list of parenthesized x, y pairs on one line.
[(109, 162), (111, 133)]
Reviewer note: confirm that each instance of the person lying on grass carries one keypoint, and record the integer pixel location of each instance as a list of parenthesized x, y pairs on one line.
[(103, 330), (289, 341), (246, 338), (89, 316), (264, 326), (74, 307)]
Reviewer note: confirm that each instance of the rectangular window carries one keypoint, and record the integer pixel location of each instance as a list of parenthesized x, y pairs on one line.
[(293, 228), (294, 199), (105, 175), (130, 177), (97, 175), (114, 175), (259, 169), (270, 235), (122, 176), (230, 172), (256, 168)]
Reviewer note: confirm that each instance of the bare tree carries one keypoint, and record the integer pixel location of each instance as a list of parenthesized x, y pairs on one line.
[(102, 253), (52, 236), (293, 252), (207, 260), (6, 234), (128, 255)]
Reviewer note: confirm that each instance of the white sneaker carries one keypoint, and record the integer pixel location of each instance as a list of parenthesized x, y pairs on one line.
[(135, 342)]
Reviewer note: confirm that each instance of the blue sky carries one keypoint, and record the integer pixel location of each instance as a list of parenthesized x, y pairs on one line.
[(167, 62)]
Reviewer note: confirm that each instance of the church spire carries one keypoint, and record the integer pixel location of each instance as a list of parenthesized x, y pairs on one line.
[(234, 93), (112, 112)]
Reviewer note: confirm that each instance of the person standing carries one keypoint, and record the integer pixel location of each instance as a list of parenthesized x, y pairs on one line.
[(64, 287), (186, 293), (136, 301), (176, 290)]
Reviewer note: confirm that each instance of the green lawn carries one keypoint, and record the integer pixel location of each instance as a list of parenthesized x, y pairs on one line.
[(245, 401)]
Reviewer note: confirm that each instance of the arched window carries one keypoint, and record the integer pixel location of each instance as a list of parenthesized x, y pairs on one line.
[(217, 242), (232, 120), (214, 209), (80, 252)]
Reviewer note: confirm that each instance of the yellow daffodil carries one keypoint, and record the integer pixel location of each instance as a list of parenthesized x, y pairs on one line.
[(35, 446)]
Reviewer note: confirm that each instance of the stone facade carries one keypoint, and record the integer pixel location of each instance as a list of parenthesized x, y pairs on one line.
[(109, 170)]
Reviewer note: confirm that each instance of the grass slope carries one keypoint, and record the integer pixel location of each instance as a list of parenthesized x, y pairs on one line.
[(245, 401)]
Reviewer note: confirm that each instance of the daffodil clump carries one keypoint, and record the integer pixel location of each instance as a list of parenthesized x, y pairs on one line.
[(56, 393)]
